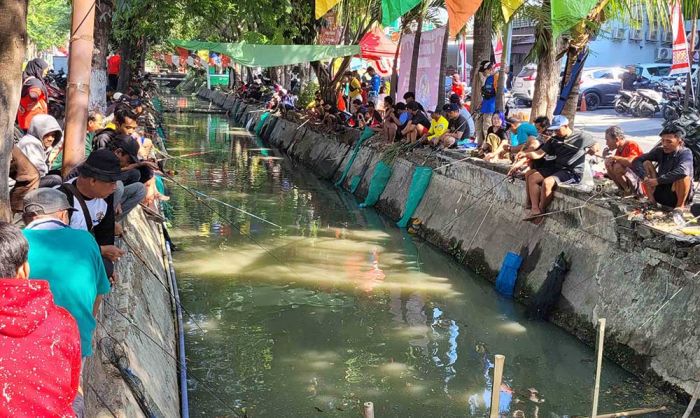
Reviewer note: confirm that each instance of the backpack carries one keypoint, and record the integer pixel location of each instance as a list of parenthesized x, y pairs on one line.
[(488, 91)]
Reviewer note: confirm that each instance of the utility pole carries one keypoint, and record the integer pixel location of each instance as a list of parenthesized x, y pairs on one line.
[(78, 89)]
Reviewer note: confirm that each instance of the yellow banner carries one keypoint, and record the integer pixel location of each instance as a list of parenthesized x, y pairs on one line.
[(323, 6), (509, 7)]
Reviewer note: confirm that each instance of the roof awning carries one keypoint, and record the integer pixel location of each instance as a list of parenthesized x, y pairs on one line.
[(375, 45), (253, 55)]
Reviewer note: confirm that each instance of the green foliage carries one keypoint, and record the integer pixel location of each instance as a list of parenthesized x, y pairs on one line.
[(48, 23), (307, 94)]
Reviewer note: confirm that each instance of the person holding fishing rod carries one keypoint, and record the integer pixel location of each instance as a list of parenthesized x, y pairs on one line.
[(567, 150)]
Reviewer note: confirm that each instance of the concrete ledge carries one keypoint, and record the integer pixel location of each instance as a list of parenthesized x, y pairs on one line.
[(143, 300), (621, 270)]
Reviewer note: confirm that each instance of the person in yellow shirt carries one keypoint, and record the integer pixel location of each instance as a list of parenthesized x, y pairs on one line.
[(355, 86), (438, 126)]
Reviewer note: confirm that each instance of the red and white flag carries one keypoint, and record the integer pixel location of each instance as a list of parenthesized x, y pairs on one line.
[(681, 60), (497, 52), (463, 57)]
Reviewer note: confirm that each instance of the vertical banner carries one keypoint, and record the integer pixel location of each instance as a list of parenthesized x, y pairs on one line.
[(330, 32), (404, 65), (681, 60), (464, 70), (427, 72), (498, 51)]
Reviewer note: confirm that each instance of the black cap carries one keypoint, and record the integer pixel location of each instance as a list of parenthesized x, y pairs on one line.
[(127, 144), (102, 165)]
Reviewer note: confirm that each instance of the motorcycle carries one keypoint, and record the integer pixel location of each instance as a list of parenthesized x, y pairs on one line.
[(649, 102), (623, 102)]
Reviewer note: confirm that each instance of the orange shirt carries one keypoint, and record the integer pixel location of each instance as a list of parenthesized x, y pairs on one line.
[(630, 150), (29, 107)]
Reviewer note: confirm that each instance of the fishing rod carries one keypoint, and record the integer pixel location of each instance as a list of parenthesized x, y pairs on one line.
[(199, 195), (193, 154), (477, 199)]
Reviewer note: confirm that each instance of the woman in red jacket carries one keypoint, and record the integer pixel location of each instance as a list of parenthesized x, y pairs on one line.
[(39, 341), (35, 98)]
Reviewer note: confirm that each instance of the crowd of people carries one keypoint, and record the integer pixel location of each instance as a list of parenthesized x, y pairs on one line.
[(55, 271), (545, 153)]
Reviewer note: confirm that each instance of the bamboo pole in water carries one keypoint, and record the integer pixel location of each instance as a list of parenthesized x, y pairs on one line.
[(496, 389), (696, 395), (368, 410), (599, 366), (632, 412)]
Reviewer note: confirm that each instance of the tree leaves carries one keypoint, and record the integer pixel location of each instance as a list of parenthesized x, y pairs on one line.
[(48, 23)]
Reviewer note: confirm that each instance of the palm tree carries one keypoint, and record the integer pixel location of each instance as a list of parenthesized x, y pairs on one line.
[(544, 52), (581, 34)]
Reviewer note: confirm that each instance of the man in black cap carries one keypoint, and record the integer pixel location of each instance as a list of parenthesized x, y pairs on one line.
[(458, 128), (131, 189), (91, 194)]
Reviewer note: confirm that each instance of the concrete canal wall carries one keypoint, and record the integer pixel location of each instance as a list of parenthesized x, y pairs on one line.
[(641, 280), (136, 325)]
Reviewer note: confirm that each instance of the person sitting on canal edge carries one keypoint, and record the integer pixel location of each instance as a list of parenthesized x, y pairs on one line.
[(619, 164), (125, 124), (438, 127), (91, 194), (43, 135), (419, 123), (458, 127), (69, 259), (39, 341), (569, 150), (670, 183)]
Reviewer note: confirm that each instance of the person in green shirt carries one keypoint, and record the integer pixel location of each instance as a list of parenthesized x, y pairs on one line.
[(95, 120), (69, 259)]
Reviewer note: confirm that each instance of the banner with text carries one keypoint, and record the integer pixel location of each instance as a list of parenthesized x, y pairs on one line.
[(428, 68)]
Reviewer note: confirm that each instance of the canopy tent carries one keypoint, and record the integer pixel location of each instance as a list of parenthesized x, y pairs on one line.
[(375, 45), (252, 55)]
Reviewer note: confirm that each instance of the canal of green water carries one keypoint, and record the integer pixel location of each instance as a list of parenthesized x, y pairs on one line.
[(337, 306)]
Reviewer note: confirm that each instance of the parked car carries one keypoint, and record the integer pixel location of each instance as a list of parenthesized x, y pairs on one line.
[(599, 85), (524, 83), (653, 72)]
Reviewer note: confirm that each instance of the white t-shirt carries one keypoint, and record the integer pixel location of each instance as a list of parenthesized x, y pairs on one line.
[(96, 207)]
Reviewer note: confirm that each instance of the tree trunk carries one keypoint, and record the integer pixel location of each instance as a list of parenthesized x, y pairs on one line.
[(126, 49), (79, 71), (13, 41), (443, 66), (414, 57), (580, 37), (394, 69), (544, 97), (480, 52), (579, 41), (501, 88), (98, 77)]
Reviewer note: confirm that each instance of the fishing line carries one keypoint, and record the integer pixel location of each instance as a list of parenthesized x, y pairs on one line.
[(166, 352), (477, 199), (199, 195), (99, 398)]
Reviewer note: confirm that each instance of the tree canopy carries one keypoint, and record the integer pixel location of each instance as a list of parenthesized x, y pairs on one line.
[(48, 23)]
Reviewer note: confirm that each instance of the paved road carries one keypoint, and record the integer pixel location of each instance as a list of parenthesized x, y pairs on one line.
[(643, 130)]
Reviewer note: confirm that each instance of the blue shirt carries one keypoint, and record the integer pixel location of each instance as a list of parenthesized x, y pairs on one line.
[(525, 130), (375, 84), (70, 260)]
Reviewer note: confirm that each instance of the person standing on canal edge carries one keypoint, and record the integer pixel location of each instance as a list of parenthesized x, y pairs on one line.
[(39, 341)]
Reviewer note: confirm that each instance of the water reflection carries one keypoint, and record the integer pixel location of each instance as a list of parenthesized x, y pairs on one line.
[(337, 307)]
